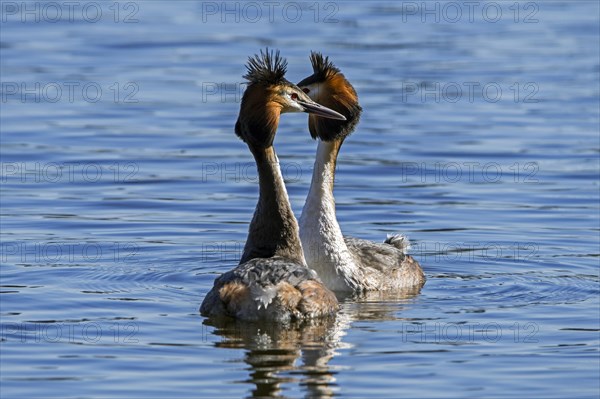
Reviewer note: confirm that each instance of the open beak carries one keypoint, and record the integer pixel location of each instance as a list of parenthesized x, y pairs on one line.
[(312, 107)]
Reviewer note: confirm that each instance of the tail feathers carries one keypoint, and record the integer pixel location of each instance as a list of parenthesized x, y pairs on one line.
[(263, 296), (399, 241)]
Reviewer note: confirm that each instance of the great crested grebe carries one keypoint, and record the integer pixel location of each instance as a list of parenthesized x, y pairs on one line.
[(344, 263), (272, 281)]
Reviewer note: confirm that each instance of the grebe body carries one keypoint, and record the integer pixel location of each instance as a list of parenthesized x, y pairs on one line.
[(344, 263)]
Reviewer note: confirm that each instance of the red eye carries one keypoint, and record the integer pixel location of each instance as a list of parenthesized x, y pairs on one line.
[(306, 90), (294, 96)]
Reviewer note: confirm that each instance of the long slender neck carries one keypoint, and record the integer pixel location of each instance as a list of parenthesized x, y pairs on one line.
[(323, 177), (320, 231), (274, 229)]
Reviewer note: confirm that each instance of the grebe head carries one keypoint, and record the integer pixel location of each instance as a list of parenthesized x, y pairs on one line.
[(267, 96), (328, 86)]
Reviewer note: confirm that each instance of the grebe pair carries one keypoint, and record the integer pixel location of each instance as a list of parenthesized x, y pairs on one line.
[(272, 280)]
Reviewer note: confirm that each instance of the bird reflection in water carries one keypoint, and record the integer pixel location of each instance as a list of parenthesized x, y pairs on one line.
[(273, 351), (299, 353)]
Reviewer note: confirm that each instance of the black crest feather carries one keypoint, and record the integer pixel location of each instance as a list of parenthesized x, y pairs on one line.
[(322, 67), (266, 67), (344, 101)]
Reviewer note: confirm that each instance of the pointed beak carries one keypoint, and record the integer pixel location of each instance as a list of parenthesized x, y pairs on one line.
[(312, 107)]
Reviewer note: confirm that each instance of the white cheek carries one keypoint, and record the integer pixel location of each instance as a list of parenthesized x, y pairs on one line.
[(314, 91), (293, 107)]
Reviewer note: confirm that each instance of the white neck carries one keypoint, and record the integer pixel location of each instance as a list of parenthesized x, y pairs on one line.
[(322, 240)]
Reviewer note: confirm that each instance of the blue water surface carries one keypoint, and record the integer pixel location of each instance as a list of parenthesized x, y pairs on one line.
[(125, 193)]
